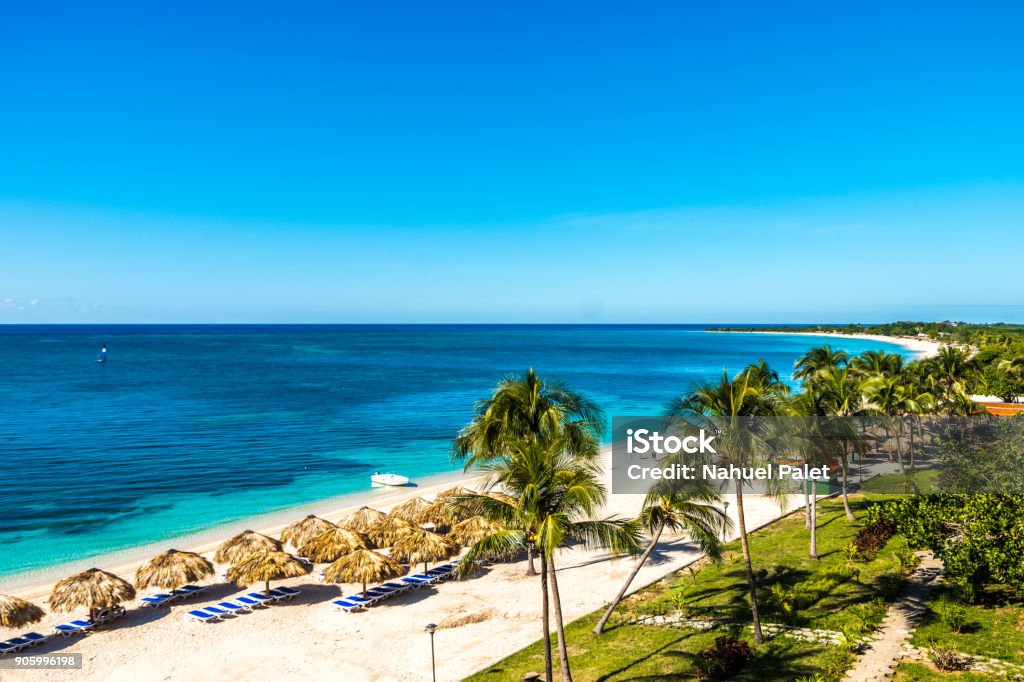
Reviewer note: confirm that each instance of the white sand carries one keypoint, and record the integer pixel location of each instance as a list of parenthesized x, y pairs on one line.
[(307, 639), (923, 348)]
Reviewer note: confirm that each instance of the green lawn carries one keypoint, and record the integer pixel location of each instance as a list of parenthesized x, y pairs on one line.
[(836, 600), (921, 481), (918, 672), (994, 627)]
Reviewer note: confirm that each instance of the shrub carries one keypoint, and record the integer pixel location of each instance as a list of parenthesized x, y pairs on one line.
[(954, 615), (948, 660), (872, 538), (723, 659)]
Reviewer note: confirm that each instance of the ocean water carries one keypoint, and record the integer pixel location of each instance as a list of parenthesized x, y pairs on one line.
[(189, 427)]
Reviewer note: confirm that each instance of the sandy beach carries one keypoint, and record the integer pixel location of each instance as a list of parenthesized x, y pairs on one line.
[(922, 348), (481, 619)]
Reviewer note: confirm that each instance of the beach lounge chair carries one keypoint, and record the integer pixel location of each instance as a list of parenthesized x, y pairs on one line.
[(233, 607), (75, 627), (378, 594), (416, 582), (289, 591), (347, 606), (191, 589), (12, 645), (365, 601), (107, 615), (250, 602), (218, 611), (263, 597), (35, 638), (155, 600), (202, 616), (398, 587), (284, 594)]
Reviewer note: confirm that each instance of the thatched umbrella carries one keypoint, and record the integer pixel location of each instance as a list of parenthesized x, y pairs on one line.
[(363, 566), (301, 532), (262, 567), (93, 589), (423, 545), (444, 511), (453, 492), (17, 613), (172, 569), (333, 544), (409, 510), (242, 545), (389, 531), (362, 519), (472, 530)]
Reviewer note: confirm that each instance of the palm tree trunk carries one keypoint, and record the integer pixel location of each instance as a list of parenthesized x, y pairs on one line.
[(899, 450), (599, 628), (758, 637), (563, 650), (530, 569), (807, 504), (268, 588), (846, 499), (814, 523), (546, 618)]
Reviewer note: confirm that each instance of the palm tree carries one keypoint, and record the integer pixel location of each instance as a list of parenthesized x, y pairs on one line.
[(676, 512), (878, 362), (840, 392), (723, 407), (891, 397), (817, 359), (955, 369), (549, 496), (525, 408)]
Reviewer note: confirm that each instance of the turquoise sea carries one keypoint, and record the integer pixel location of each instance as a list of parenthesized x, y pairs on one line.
[(189, 427)]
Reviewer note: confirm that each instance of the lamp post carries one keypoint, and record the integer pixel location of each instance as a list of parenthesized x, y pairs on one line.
[(431, 627), (725, 510)]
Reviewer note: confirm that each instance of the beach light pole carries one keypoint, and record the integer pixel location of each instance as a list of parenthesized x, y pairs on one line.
[(433, 670), (725, 510)]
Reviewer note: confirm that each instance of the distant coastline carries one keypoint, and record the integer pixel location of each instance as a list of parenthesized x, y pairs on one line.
[(923, 348)]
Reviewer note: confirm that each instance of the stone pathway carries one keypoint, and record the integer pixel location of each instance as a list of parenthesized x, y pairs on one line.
[(886, 648)]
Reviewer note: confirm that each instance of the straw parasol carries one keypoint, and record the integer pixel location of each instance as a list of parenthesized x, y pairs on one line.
[(333, 544), (172, 569), (453, 492), (242, 545), (443, 511), (301, 532), (423, 545), (363, 566), (472, 530), (93, 589), (362, 519), (409, 510), (389, 530), (262, 567), (17, 613)]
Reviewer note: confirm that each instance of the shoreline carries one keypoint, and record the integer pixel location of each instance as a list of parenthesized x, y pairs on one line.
[(36, 584), (923, 348)]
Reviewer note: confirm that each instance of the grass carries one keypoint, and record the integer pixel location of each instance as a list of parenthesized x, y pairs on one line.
[(921, 481), (994, 627), (835, 600), (919, 672)]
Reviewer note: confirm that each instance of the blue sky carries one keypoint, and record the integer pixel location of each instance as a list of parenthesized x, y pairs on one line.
[(557, 162)]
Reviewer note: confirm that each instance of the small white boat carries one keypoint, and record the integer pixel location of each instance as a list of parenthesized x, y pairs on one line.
[(389, 479)]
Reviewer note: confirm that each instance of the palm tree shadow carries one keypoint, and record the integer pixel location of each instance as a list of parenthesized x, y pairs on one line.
[(618, 671)]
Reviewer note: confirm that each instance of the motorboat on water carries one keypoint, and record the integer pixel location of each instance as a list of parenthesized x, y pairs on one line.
[(389, 479)]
